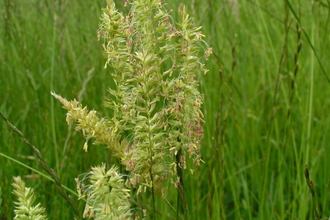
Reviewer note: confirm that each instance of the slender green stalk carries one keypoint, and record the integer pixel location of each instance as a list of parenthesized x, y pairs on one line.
[(38, 172), (310, 105), (52, 109)]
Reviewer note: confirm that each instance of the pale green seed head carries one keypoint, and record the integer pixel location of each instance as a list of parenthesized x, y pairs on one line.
[(24, 207)]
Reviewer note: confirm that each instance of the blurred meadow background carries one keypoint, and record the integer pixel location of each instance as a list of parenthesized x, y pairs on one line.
[(266, 104)]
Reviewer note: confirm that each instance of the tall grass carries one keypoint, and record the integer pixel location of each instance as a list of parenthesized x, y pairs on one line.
[(266, 115)]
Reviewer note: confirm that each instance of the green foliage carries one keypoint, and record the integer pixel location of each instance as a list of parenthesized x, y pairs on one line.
[(254, 151)]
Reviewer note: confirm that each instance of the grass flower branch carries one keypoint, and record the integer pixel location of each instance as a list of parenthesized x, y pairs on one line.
[(156, 105)]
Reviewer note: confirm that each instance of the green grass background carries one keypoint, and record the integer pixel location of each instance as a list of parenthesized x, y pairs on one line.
[(260, 131)]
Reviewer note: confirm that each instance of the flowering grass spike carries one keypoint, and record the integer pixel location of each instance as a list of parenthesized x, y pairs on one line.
[(155, 106), (107, 197), (24, 209)]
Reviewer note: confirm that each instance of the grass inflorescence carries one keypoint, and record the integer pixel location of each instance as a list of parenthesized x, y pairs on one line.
[(156, 98)]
